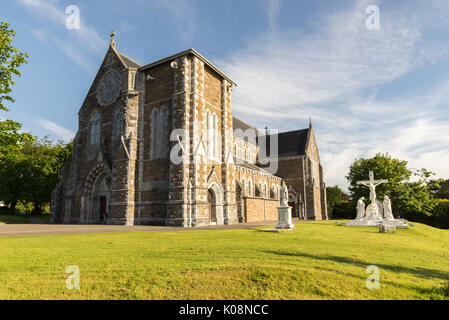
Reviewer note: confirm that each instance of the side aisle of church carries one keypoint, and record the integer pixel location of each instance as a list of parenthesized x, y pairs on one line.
[(156, 145)]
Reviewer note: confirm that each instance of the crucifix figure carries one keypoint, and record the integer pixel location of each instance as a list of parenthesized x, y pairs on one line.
[(372, 184)]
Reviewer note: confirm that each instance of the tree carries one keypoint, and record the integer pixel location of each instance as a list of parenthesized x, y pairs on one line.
[(29, 172), (11, 162), (41, 161), (407, 196), (333, 195), (10, 61), (439, 188)]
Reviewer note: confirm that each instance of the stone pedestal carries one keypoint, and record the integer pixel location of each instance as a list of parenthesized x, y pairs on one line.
[(384, 228), (285, 218)]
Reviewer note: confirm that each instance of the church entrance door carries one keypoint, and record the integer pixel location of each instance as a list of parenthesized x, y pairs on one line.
[(212, 207), (98, 209), (103, 202)]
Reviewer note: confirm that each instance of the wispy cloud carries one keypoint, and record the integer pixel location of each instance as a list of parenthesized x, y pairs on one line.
[(56, 130), (334, 74), (274, 7), (78, 45)]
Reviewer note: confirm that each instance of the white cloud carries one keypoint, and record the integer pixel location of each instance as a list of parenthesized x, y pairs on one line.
[(333, 75), (56, 130)]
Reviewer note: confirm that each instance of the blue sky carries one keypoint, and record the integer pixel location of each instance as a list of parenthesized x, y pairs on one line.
[(367, 91)]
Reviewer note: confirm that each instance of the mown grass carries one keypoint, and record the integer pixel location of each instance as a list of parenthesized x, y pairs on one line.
[(13, 219), (318, 260)]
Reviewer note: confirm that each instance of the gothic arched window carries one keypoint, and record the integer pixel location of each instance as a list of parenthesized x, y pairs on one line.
[(154, 134), (163, 118), (250, 191), (94, 130), (209, 133), (117, 126), (215, 137)]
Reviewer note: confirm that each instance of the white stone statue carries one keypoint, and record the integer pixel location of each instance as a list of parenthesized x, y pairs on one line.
[(376, 213), (360, 209), (372, 212), (388, 213), (381, 208), (284, 211), (372, 184), (284, 195)]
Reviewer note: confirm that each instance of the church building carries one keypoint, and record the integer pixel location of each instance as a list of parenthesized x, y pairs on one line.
[(157, 144)]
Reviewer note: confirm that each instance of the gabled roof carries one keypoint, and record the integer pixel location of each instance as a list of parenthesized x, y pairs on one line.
[(291, 143), (196, 54), (129, 63)]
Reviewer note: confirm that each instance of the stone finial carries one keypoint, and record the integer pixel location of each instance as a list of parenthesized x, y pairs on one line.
[(310, 122), (113, 34)]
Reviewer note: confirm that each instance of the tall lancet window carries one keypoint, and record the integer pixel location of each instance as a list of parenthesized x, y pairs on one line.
[(215, 137), (163, 118), (250, 191), (94, 130), (117, 126), (209, 133), (154, 134)]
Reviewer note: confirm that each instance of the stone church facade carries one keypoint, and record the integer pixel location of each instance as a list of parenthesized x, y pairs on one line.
[(158, 145)]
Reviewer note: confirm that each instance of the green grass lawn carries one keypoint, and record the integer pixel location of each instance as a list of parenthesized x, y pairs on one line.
[(318, 260), (13, 219)]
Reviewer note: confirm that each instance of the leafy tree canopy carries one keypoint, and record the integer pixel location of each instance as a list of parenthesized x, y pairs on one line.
[(407, 195), (439, 188), (10, 61)]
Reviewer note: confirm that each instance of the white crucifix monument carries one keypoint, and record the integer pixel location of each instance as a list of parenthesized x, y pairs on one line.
[(376, 213)]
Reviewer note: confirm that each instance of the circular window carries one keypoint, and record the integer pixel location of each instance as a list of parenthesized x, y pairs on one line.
[(109, 88)]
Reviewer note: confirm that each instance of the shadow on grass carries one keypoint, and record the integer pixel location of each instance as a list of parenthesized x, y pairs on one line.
[(13, 219), (417, 271), (438, 293)]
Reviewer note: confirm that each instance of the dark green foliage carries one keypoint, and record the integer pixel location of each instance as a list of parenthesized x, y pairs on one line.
[(441, 214), (30, 173), (333, 196), (439, 188), (344, 210)]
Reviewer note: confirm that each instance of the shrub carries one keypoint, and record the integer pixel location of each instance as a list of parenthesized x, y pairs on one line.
[(344, 210)]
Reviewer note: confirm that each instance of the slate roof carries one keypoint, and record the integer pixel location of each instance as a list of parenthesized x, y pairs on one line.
[(291, 143), (130, 63)]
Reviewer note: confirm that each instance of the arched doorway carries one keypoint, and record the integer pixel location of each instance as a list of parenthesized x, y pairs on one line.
[(99, 201), (240, 203), (212, 208), (215, 204)]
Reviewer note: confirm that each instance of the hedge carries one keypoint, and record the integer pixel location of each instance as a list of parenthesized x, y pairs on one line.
[(344, 210)]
